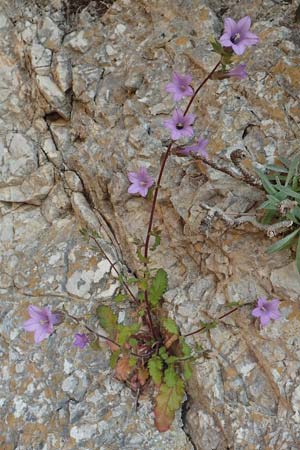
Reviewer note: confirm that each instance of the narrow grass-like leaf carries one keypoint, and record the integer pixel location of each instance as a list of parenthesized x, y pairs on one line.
[(269, 187), (285, 242)]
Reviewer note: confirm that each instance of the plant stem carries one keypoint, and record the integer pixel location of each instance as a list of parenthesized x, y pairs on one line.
[(156, 190), (87, 327), (112, 265), (219, 318), (199, 87)]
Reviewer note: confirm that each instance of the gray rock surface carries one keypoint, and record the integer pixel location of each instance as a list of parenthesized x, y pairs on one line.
[(82, 103)]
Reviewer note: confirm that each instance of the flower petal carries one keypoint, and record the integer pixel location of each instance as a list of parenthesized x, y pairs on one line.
[(250, 38), (132, 177), (256, 312), (261, 301), (40, 334), (35, 312), (244, 25), (239, 48), (30, 325), (275, 315), (230, 26), (265, 319), (225, 40), (133, 189)]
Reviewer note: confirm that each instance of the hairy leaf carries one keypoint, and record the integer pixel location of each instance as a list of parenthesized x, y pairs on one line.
[(185, 348), (155, 366), (171, 326), (107, 318), (158, 286), (114, 358), (170, 376), (163, 353), (126, 331), (168, 400), (120, 298), (187, 370)]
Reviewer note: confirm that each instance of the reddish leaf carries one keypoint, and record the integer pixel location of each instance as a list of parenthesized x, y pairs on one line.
[(123, 368), (168, 401)]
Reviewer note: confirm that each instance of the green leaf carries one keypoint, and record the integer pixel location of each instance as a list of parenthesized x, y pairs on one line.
[(158, 287), (120, 298), (269, 187), (142, 257), (168, 400), (285, 242), (107, 318), (132, 342), (143, 284), (126, 331), (156, 232), (209, 325), (163, 353), (298, 255), (114, 358), (233, 304), (132, 280), (155, 366), (288, 191), (170, 326), (171, 376), (132, 361), (292, 170), (275, 168), (296, 212), (268, 216), (185, 348), (187, 370)]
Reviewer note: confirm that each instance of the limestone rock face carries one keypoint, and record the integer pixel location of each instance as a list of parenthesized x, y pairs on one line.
[(82, 103)]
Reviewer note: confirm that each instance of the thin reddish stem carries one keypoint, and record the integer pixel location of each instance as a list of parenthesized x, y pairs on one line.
[(112, 265), (219, 318), (199, 87), (156, 190)]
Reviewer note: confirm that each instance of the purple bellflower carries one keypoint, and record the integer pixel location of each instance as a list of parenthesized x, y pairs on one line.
[(180, 86), (266, 310), (80, 340), (237, 35), (238, 72), (180, 125), (141, 182), (41, 322), (200, 147)]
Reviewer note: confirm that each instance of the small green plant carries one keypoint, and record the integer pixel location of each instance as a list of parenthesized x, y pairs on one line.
[(282, 185)]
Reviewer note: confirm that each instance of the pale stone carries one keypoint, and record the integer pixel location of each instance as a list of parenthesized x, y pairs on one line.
[(49, 34), (286, 280), (31, 190), (54, 96), (73, 181), (78, 41)]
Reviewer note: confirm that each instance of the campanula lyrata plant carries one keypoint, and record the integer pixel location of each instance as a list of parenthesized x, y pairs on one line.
[(150, 350)]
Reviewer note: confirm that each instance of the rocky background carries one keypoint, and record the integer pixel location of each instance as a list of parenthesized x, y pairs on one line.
[(82, 102)]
